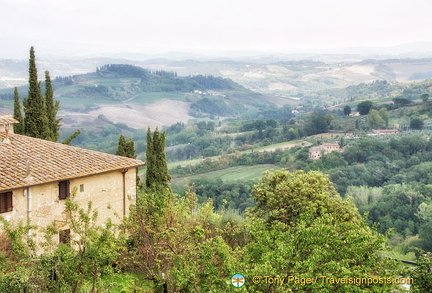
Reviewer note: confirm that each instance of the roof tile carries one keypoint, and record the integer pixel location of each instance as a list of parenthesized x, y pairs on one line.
[(26, 161)]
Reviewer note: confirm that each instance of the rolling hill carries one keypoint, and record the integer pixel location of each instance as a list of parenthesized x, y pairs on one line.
[(140, 97)]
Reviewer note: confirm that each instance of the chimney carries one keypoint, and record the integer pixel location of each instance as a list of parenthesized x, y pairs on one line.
[(6, 128), (7, 123)]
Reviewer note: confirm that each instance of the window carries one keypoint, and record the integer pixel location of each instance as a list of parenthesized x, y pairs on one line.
[(5, 202), (81, 187), (64, 189), (64, 236)]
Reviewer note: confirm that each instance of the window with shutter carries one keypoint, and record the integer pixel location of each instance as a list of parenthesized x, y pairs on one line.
[(5, 202), (64, 189), (64, 236)]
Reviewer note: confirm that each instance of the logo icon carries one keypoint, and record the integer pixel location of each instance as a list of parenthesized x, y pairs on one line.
[(238, 280)]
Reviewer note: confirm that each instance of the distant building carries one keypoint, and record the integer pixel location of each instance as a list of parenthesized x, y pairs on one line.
[(315, 153), (384, 131), (36, 176), (354, 114)]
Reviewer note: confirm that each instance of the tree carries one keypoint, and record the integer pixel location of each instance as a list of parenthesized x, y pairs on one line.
[(130, 149), (68, 140), (51, 109), (121, 149), (422, 274), (364, 107), (385, 116), (425, 97), (347, 110), (401, 102), (177, 242), (157, 170), (35, 118), (416, 123), (374, 119), (126, 148), (19, 127), (301, 226)]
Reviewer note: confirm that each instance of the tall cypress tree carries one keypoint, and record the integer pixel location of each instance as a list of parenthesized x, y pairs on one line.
[(35, 120), (130, 149), (51, 109), (157, 169), (121, 149), (19, 127)]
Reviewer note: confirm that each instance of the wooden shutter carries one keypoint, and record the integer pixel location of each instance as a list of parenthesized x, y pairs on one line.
[(64, 236), (5, 202), (64, 191)]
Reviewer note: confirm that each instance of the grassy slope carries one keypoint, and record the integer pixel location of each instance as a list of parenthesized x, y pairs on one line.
[(228, 174)]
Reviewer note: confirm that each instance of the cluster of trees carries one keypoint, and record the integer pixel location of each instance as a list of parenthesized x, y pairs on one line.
[(126, 148), (39, 116), (366, 106), (39, 119), (156, 81), (233, 195), (389, 179), (202, 142)]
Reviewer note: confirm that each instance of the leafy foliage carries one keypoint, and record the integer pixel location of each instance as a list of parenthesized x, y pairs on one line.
[(364, 107), (301, 226), (422, 275)]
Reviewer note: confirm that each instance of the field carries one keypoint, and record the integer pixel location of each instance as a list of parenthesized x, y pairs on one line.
[(228, 174), (150, 97)]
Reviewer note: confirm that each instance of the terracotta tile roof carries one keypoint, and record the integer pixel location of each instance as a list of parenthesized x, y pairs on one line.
[(26, 161), (7, 119)]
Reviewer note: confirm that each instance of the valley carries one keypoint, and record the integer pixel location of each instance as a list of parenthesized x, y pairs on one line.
[(230, 131)]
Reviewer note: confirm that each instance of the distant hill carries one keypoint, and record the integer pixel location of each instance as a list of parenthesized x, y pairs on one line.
[(207, 94), (137, 96)]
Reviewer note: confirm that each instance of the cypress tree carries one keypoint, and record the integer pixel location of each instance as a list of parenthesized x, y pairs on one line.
[(150, 160), (157, 169), (130, 149), (35, 120), (68, 140), (121, 149), (19, 127), (51, 109)]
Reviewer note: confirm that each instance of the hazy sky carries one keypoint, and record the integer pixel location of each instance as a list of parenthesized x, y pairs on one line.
[(151, 25)]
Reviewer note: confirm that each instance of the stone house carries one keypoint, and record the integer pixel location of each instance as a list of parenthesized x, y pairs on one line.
[(315, 153), (36, 176)]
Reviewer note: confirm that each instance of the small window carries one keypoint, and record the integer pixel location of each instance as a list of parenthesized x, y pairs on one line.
[(81, 187), (64, 189), (64, 236), (5, 202)]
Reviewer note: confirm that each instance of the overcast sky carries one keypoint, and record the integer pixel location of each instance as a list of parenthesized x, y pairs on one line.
[(154, 25)]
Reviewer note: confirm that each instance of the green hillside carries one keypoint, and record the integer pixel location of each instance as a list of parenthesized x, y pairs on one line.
[(121, 83)]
